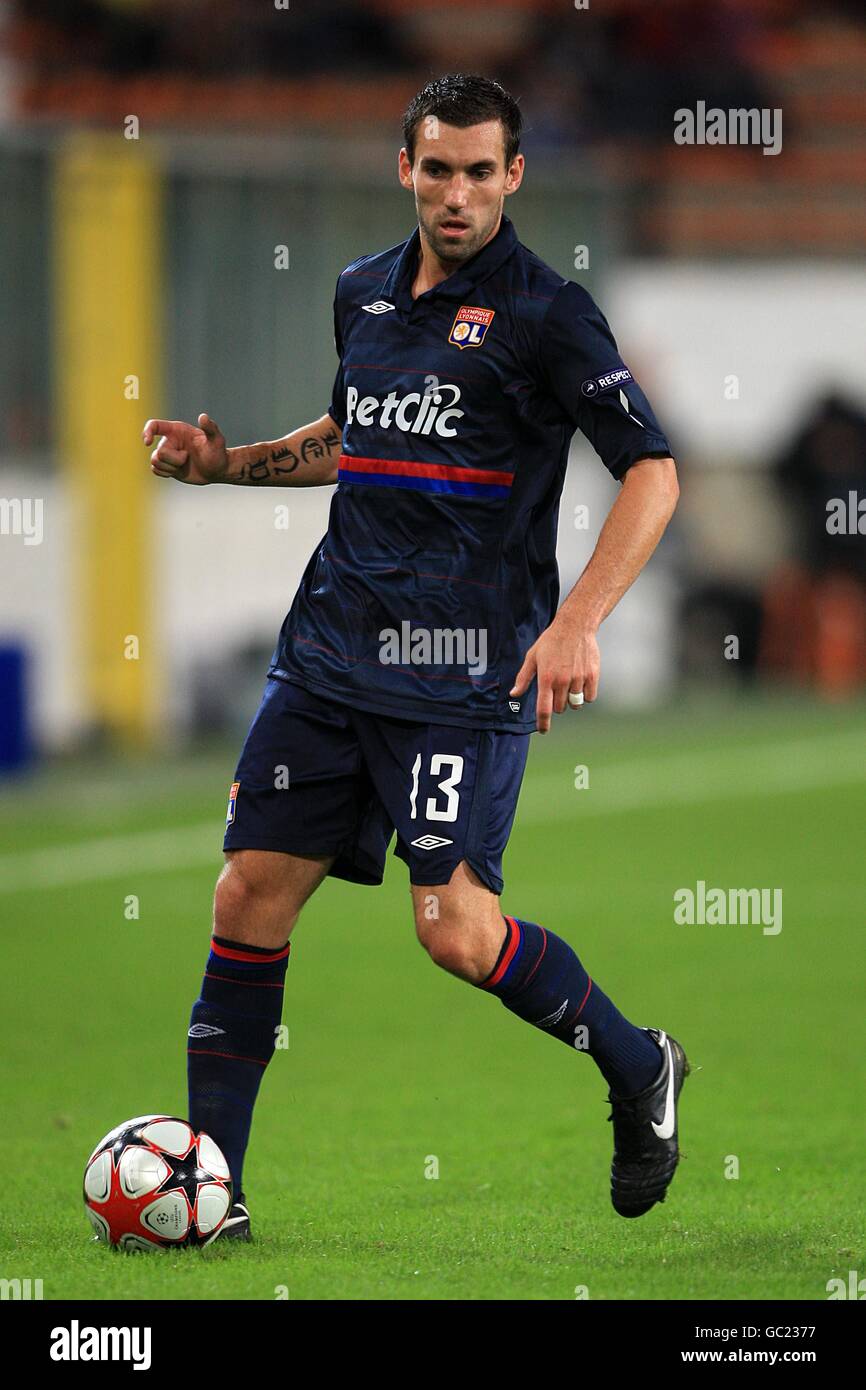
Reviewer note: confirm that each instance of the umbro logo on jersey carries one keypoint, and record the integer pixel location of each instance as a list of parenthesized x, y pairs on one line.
[(469, 326), (204, 1030), (430, 842), (379, 306), (625, 403)]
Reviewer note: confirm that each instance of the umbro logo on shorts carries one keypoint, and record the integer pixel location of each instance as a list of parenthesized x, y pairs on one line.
[(430, 842), (379, 306)]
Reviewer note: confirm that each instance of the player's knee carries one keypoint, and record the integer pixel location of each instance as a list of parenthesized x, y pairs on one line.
[(248, 905), (452, 949)]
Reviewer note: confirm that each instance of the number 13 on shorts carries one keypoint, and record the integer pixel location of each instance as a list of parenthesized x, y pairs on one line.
[(450, 764)]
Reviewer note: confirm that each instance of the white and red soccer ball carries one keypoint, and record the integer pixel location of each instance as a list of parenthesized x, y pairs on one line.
[(153, 1184)]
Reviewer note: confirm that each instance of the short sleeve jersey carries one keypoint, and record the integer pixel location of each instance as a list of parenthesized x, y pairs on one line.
[(438, 569)]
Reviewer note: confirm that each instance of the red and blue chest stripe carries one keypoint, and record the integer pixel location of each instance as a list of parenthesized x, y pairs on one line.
[(454, 479)]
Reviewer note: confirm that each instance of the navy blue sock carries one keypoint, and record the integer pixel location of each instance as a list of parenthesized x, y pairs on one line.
[(232, 1036), (538, 977)]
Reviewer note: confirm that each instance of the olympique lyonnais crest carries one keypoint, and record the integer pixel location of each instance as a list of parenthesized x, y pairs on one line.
[(233, 802), (470, 326)]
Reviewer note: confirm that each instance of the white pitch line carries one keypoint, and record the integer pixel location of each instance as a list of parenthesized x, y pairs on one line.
[(671, 779), (692, 778), (112, 856)]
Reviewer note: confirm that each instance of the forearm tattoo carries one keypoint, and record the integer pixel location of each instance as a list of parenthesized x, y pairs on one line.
[(279, 462)]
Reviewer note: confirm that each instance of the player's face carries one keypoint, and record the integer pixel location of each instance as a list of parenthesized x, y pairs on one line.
[(460, 182)]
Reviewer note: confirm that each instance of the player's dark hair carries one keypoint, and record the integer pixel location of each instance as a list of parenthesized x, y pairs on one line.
[(463, 99)]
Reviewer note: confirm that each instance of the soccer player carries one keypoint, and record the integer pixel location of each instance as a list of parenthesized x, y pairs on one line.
[(424, 642)]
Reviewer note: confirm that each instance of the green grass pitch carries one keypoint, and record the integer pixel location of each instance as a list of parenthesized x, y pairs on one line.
[(392, 1063)]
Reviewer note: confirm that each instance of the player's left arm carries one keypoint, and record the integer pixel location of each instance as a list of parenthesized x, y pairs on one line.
[(565, 657)]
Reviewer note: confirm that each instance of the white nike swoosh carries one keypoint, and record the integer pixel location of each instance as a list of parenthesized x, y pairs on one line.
[(666, 1129)]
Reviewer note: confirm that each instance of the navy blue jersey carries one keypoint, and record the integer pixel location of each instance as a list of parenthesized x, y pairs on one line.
[(438, 569)]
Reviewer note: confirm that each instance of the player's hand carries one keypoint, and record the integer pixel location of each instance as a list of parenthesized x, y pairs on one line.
[(566, 661), (189, 453)]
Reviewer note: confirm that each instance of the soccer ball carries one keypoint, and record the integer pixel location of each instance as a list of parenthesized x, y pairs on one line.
[(152, 1184)]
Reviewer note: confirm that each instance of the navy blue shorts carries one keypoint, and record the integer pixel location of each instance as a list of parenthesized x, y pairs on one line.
[(320, 778)]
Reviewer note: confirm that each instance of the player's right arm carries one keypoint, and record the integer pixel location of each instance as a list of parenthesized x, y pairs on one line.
[(197, 454)]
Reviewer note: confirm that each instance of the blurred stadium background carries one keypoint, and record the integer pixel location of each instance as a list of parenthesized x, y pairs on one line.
[(155, 155)]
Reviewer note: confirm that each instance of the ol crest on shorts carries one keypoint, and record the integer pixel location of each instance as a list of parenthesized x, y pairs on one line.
[(470, 326)]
